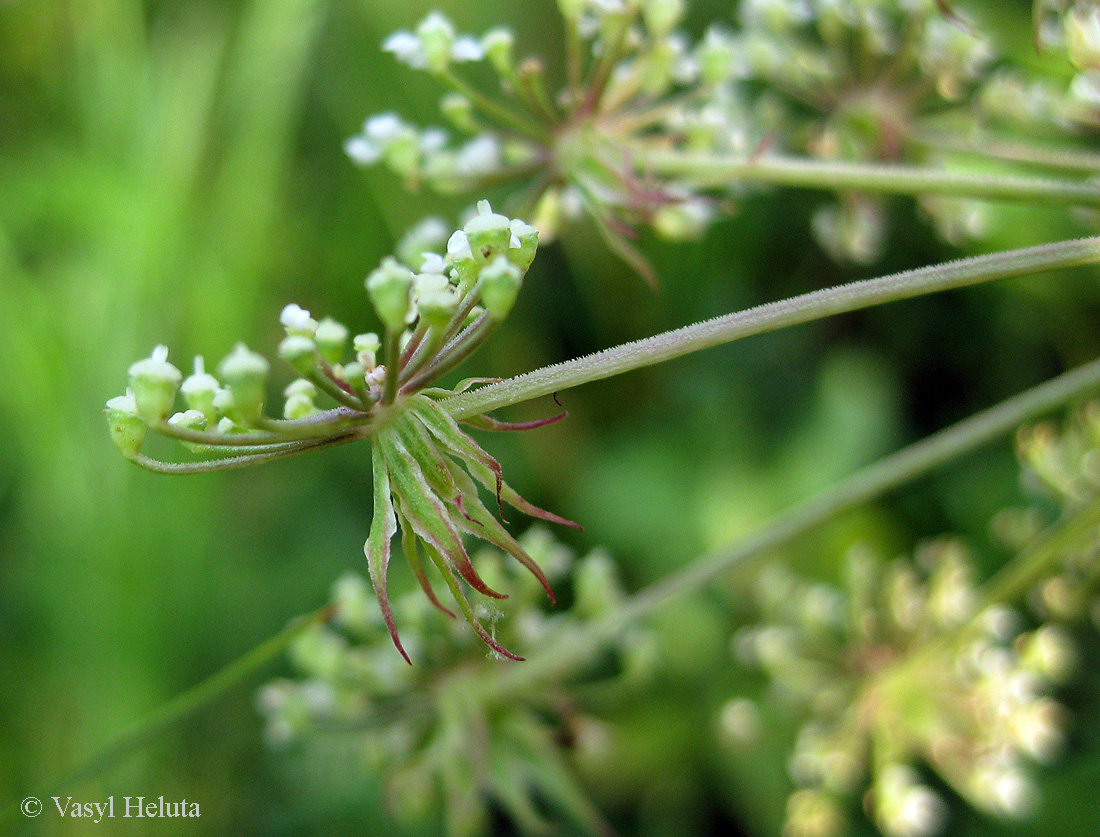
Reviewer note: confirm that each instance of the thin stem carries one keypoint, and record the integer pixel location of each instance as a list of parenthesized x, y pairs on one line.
[(706, 171), (518, 123), (180, 707), (774, 315), (393, 364), (273, 432), (321, 379), (987, 145), (451, 355), (1033, 563), (229, 463), (564, 654)]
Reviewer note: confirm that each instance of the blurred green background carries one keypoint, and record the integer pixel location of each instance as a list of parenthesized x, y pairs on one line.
[(171, 171)]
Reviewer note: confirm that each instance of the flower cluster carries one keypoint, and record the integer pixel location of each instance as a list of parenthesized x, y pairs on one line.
[(441, 735), (906, 667), (855, 81), (1060, 464), (646, 110), (1074, 27), (435, 311), (636, 85)]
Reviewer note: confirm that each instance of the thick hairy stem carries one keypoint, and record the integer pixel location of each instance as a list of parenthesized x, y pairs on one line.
[(769, 317)]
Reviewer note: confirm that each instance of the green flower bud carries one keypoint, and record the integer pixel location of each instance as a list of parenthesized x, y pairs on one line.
[(437, 36), (299, 395), (498, 44), (199, 390), (388, 287), (437, 306), (366, 348), (662, 16), (1083, 37), (300, 352), (353, 374), (154, 382), (488, 234), (330, 338), (127, 428), (499, 284), (245, 374), (299, 406), (571, 9), (596, 587), (191, 419), (427, 236), (402, 154), (524, 243), (459, 111)]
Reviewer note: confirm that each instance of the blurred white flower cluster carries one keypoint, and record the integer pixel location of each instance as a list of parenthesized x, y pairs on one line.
[(905, 668), (438, 733)]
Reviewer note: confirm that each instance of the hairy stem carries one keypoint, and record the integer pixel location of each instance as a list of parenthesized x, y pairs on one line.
[(706, 171), (564, 654), (773, 315)]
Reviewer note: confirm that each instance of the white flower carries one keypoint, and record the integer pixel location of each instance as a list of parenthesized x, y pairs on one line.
[(382, 128), (481, 155), (467, 48), (362, 151), (458, 246), (297, 319), (406, 48), (433, 263)]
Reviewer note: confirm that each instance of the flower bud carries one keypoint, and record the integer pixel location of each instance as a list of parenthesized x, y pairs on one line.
[(488, 234), (463, 266), (245, 374), (1082, 29), (191, 419), (596, 587), (299, 395), (524, 243), (662, 16), (199, 390), (330, 338), (297, 320), (499, 285), (459, 111), (427, 236), (388, 287), (154, 382), (437, 37), (127, 428), (498, 44), (437, 307), (300, 352), (366, 348)]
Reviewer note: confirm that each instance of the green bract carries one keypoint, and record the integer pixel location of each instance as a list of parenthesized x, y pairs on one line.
[(427, 470)]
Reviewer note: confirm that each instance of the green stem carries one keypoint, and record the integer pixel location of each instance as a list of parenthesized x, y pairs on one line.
[(986, 145), (1032, 564), (565, 653), (228, 463), (520, 124), (705, 171), (774, 315), (178, 708)]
